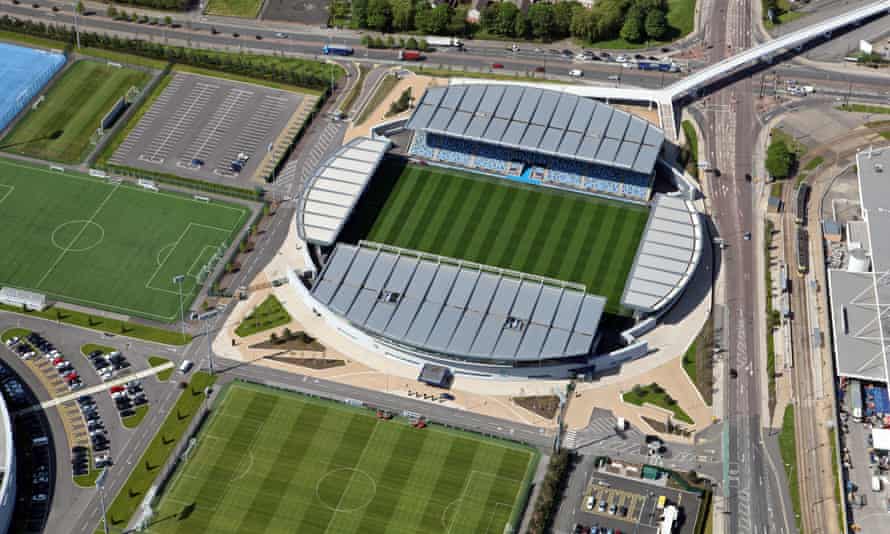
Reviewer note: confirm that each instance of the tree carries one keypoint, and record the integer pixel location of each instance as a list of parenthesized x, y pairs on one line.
[(779, 160), (111, 12), (168, 20), (360, 13), (541, 16), (458, 24), (488, 19), (563, 13), (439, 18), (522, 27), (379, 15), (411, 44), (79, 8), (506, 22), (656, 25), (632, 31), (402, 15)]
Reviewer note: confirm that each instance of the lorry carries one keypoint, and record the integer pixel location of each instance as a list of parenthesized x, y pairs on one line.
[(337, 50), (452, 42), (410, 55)]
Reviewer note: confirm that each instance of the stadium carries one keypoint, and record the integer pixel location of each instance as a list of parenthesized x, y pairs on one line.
[(501, 230), (7, 468)]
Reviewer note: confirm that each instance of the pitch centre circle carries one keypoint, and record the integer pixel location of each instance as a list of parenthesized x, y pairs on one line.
[(346, 489), (78, 235)]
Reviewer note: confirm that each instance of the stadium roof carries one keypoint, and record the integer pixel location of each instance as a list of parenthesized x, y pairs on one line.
[(332, 192), (457, 309), (667, 255), (540, 120)]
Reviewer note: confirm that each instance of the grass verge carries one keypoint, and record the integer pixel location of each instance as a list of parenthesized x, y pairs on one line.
[(90, 347), (698, 362), (386, 86), (158, 451), (105, 324), (269, 314), (788, 448), (134, 420), (88, 480), (813, 163), (689, 152), (655, 395), (156, 361), (865, 108), (245, 79), (14, 332), (838, 498), (234, 8), (356, 89)]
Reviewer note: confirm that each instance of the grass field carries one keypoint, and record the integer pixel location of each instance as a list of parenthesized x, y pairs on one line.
[(60, 128), (269, 314), (112, 246), (276, 462), (234, 8), (562, 235)]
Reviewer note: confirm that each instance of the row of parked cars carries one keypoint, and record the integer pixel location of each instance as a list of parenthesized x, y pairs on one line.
[(595, 529), (128, 396), (108, 364), (25, 349)]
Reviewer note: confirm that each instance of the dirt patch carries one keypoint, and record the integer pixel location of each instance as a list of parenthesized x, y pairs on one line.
[(544, 405), (311, 12), (662, 428), (290, 344), (311, 363)]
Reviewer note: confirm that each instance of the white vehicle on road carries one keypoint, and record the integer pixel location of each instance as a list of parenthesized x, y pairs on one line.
[(576, 73)]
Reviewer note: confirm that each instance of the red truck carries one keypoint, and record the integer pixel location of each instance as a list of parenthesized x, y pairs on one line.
[(410, 55)]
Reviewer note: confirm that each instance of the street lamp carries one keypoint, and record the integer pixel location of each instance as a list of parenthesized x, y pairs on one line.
[(100, 485), (178, 279)]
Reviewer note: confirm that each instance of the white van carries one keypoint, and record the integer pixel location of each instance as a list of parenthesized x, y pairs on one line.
[(185, 366)]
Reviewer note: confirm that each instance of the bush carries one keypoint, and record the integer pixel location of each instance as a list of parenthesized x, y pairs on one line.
[(551, 492)]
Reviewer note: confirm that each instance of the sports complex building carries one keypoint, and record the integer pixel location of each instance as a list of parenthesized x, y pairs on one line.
[(492, 232)]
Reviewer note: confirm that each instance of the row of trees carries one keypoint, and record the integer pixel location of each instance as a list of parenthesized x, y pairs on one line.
[(291, 71), (391, 42), (636, 21), (551, 492), (178, 5), (116, 14)]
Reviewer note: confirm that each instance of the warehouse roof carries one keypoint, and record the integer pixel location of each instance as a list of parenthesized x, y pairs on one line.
[(333, 190), (856, 326), (458, 309), (540, 120), (667, 256)]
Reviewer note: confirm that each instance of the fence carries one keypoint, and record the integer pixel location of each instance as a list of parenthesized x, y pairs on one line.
[(32, 88)]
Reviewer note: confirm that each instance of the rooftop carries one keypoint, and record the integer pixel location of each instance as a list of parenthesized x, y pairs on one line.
[(540, 120), (455, 308)]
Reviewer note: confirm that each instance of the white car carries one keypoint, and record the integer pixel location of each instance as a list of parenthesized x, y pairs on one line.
[(621, 59), (576, 73), (590, 502)]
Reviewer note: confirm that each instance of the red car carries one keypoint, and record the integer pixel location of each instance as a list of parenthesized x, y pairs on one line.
[(59, 360), (117, 389), (71, 377), (497, 65)]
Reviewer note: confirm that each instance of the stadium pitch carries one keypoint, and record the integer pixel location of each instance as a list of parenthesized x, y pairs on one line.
[(270, 461), (537, 230), (61, 127), (108, 245)]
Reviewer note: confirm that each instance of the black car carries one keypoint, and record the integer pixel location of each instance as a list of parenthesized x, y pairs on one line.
[(86, 399), (127, 413)]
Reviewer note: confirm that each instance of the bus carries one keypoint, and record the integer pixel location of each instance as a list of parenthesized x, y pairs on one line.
[(337, 50)]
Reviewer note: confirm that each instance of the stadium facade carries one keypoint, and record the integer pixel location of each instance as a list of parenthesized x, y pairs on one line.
[(7, 468), (480, 320)]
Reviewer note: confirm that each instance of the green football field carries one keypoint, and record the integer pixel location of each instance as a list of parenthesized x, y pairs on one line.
[(276, 462), (113, 246), (562, 235), (61, 126)]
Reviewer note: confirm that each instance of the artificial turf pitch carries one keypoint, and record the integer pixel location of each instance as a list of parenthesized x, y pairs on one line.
[(562, 235), (276, 462), (113, 246), (60, 128)]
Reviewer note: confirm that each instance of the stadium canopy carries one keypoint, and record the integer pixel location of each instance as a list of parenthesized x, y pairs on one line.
[(860, 301), (332, 192), (540, 120), (667, 256), (457, 309)]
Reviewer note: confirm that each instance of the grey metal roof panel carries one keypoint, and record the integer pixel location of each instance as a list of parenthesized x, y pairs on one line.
[(361, 264), (477, 127), (618, 124), (483, 292), (459, 123), (589, 147), (380, 316), (548, 301), (424, 322), (488, 335), (491, 99), (362, 305), (589, 316), (423, 278), (380, 271), (526, 298), (657, 276), (466, 332), (440, 120), (463, 288), (401, 274), (421, 118), (527, 104), (504, 297), (403, 317), (551, 140), (453, 95), (635, 130), (564, 109), (513, 135), (546, 107), (533, 136), (324, 291), (433, 95), (509, 102), (555, 343), (508, 344), (342, 301), (444, 328), (646, 158), (339, 262), (600, 120), (442, 283), (608, 150), (567, 312), (654, 136), (471, 98), (579, 344), (627, 154), (582, 115), (496, 129), (571, 141), (532, 342)]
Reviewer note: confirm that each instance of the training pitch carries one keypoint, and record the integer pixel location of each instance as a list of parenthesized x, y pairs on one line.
[(562, 235), (270, 461), (61, 127), (112, 246)]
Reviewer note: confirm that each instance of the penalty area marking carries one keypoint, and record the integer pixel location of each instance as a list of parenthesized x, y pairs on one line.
[(8, 188), (148, 285)]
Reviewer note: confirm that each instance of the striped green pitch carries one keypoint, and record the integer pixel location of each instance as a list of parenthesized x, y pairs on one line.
[(562, 235), (276, 462)]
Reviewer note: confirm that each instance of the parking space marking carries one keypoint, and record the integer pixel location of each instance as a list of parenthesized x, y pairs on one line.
[(178, 122)]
